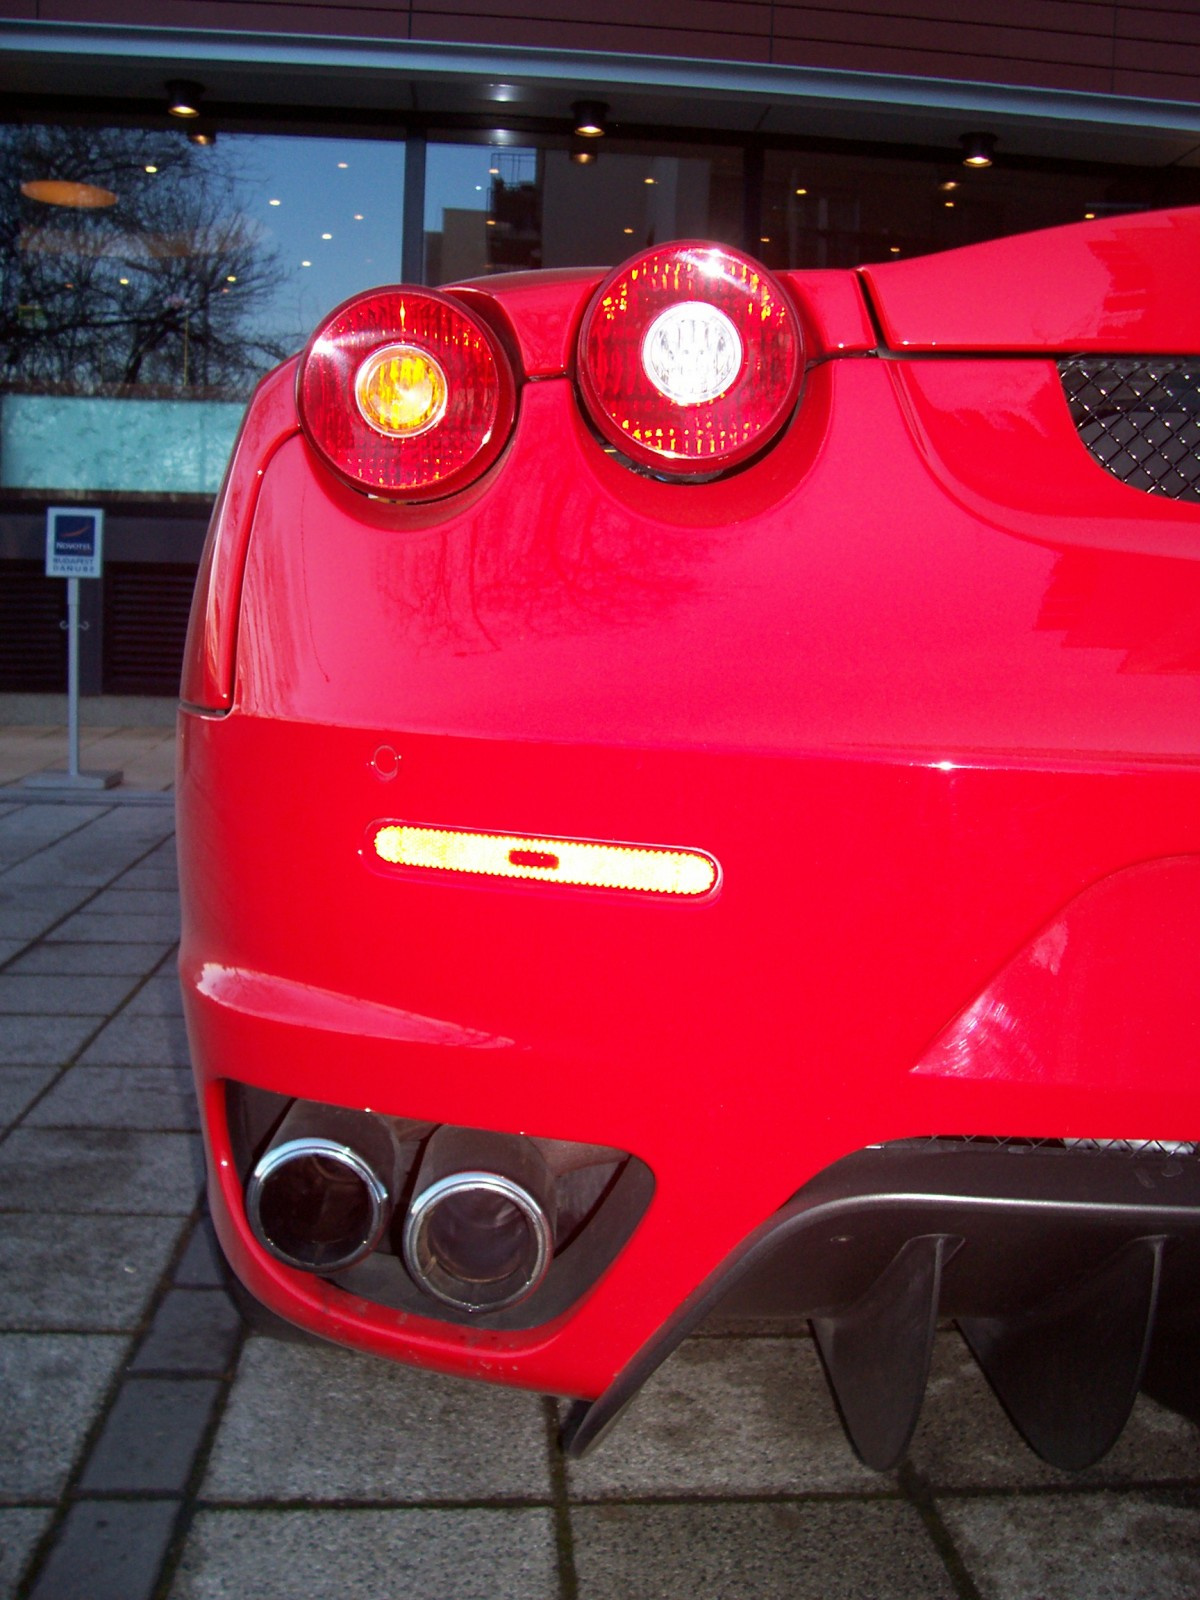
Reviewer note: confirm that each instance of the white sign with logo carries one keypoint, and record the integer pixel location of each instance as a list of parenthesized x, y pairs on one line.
[(74, 541)]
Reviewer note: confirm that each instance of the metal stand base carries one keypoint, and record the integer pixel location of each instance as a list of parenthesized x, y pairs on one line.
[(73, 780)]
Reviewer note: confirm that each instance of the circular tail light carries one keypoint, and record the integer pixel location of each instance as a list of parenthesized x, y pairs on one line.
[(690, 358), (404, 392)]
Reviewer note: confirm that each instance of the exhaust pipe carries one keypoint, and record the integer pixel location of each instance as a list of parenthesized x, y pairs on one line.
[(479, 1235), (320, 1195)]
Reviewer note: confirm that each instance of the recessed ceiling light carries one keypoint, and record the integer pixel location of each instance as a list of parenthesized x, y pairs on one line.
[(1089, 216), (948, 185), (895, 249), (627, 230), (493, 172), (949, 204), (342, 165), (274, 202), (123, 280), (232, 278), (306, 263), (327, 236), (183, 98), (978, 149), (801, 191), (649, 180), (149, 167), (590, 118), (358, 216)]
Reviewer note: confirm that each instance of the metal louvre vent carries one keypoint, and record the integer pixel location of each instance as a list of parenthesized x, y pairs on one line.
[(1140, 418)]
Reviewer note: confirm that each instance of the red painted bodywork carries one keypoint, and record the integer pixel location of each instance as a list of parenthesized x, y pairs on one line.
[(922, 679)]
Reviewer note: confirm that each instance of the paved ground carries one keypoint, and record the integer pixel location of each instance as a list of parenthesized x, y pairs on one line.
[(151, 1450)]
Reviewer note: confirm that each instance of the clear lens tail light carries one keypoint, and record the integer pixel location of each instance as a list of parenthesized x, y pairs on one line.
[(406, 393), (690, 358)]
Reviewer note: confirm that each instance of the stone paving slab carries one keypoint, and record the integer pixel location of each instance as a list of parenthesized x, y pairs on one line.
[(81, 1272), (101, 926), (27, 910), (765, 1416), (782, 1550), (60, 994), (159, 996), (372, 1431), (21, 1527), (151, 1436), (195, 1331), (123, 959), (99, 1170), (1109, 1546), (44, 1041), (147, 1041), (158, 1098), (31, 828), (478, 1554), (53, 1386), (108, 1550), (19, 1088)]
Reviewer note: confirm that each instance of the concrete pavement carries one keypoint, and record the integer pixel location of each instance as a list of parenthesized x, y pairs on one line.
[(151, 1450)]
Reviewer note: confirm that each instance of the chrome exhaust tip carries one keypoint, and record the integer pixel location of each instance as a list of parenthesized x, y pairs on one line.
[(476, 1238), (320, 1196)]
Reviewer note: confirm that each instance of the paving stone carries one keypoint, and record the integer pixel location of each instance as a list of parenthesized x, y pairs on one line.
[(99, 1170), (815, 1550), (27, 911), (19, 1087), (59, 995), (74, 1272), (491, 1554), (33, 827), (9, 948), (146, 875), (134, 960), (43, 1041), (120, 1097), (1105, 1546), (202, 1266), (159, 996), (122, 901), (729, 1416), (107, 1550), (320, 1423), (194, 1331), (145, 1041), (21, 1527), (81, 859), (965, 1441), (117, 927), (53, 1384), (151, 1436)]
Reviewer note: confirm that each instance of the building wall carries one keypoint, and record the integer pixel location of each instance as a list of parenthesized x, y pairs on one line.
[(1127, 47)]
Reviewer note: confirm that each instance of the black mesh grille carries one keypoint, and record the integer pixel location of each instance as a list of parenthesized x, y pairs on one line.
[(1140, 418)]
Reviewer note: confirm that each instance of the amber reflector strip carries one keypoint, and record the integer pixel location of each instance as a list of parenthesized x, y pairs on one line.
[(645, 869)]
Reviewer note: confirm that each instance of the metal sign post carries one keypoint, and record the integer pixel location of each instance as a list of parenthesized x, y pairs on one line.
[(74, 550)]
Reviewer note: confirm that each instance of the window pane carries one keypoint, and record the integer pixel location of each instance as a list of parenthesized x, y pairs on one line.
[(147, 282), (823, 209), (506, 208)]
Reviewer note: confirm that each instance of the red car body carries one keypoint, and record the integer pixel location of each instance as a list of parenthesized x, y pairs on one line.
[(920, 678)]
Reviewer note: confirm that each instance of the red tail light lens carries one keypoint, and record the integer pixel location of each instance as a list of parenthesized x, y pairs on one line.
[(405, 392), (690, 358)]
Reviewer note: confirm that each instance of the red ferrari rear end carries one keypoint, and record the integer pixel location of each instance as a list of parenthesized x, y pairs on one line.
[(689, 795)]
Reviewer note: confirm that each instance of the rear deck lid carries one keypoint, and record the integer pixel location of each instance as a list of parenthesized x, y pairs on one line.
[(1126, 284)]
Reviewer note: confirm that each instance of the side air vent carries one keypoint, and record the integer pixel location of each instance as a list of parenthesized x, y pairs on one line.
[(1140, 419)]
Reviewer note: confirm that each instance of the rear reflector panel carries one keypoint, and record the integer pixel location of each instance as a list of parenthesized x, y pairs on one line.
[(642, 869)]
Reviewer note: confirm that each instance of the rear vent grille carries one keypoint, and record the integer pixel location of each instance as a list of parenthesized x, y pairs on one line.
[(1140, 419)]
